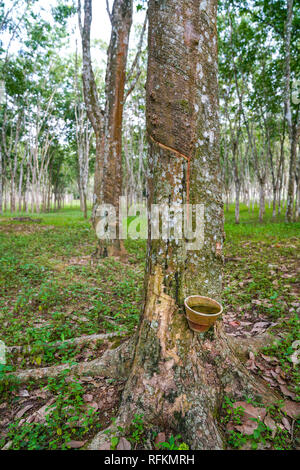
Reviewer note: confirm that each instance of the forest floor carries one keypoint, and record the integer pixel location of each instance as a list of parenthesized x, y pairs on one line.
[(51, 291)]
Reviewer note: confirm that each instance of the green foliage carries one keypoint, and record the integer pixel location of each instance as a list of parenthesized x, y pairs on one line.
[(37, 270), (262, 435), (137, 429), (283, 349), (66, 419), (231, 413), (174, 444)]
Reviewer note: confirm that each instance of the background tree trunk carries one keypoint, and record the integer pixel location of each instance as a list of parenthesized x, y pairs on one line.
[(90, 93), (121, 19), (293, 127), (107, 125), (1, 182)]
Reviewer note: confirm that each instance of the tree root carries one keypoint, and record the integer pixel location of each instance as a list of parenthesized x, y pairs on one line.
[(73, 341), (193, 409), (236, 379), (243, 346), (115, 363)]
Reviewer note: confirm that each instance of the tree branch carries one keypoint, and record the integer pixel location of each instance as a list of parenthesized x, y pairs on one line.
[(135, 64), (139, 50), (108, 11), (88, 77)]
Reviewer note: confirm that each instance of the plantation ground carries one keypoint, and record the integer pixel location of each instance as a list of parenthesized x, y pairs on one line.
[(52, 290)]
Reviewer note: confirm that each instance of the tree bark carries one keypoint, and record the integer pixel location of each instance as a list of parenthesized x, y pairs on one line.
[(121, 19), (292, 171), (293, 127), (262, 183), (90, 93), (1, 182), (107, 125)]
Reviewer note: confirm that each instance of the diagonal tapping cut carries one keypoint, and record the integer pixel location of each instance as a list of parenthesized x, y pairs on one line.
[(181, 155)]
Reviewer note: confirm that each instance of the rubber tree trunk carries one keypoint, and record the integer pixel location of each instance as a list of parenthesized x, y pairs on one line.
[(237, 203), (91, 97), (178, 377), (261, 200), (292, 173), (12, 195), (121, 20), (1, 183), (275, 189)]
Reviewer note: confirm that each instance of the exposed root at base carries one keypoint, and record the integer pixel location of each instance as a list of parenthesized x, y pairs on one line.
[(85, 339), (197, 422), (115, 363), (243, 346)]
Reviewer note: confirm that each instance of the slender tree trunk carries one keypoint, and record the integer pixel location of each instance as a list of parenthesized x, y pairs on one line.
[(5, 199), (237, 182), (280, 188), (261, 199), (108, 131), (83, 143), (237, 201), (292, 172), (21, 184), (293, 128), (91, 98), (121, 19), (27, 191), (297, 205), (12, 195), (1, 183), (274, 202)]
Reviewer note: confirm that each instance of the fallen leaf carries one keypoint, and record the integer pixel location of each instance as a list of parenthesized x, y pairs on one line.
[(40, 415), (269, 358), (250, 410), (161, 437), (94, 405), (247, 428), (123, 444), (292, 409), (270, 423), (23, 393), (286, 424), (251, 365), (88, 397), (104, 446), (75, 444), (23, 411), (270, 381), (286, 391)]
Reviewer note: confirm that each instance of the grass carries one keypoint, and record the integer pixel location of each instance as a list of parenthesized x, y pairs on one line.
[(50, 291)]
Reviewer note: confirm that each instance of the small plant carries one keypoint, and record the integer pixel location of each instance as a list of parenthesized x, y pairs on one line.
[(68, 418), (137, 429), (232, 413), (8, 383), (174, 444)]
